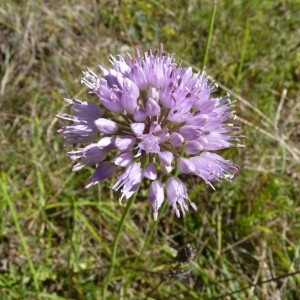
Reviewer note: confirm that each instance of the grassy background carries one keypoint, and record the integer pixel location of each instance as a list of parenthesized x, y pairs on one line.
[(56, 237)]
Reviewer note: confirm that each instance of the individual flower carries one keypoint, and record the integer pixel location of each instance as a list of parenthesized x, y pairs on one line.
[(154, 119)]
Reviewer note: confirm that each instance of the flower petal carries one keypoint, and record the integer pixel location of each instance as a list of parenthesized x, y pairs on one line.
[(192, 147), (152, 108), (106, 126), (107, 143), (125, 142), (124, 159), (103, 171), (139, 114), (137, 128), (156, 196), (166, 157), (129, 180), (177, 194), (129, 96), (176, 139), (150, 172), (185, 165)]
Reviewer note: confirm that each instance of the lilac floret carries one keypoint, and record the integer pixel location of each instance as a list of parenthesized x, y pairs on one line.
[(178, 196), (89, 156), (150, 171), (106, 126), (102, 171), (156, 196), (153, 120), (83, 129), (129, 180)]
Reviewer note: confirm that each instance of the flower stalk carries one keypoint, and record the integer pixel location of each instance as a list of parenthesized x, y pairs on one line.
[(121, 224)]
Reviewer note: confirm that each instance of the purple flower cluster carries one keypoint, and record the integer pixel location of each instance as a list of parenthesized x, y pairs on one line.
[(155, 119)]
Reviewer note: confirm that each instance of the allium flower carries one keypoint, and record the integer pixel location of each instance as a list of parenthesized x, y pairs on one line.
[(154, 118)]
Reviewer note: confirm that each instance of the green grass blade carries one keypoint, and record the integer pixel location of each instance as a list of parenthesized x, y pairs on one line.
[(211, 27), (3, 184)]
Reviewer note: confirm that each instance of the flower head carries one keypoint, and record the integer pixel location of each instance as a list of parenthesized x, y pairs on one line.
[(153, 116)]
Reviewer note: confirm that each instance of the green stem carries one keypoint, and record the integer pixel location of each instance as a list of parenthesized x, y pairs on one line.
[(243, 53), (110, 272), (211, 26), (219, 228), (21, 236)]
